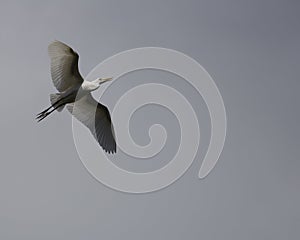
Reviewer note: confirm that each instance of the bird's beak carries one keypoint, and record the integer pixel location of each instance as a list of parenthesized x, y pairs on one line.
[(106, 79)]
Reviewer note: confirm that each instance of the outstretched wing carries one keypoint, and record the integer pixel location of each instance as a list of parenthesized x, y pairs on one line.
[(97, 118), (64, 66)]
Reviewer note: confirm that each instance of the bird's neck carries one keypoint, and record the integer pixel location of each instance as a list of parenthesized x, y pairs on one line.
[(89, 86)]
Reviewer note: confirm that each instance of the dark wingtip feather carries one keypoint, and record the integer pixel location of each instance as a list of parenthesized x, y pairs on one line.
[(110, 151)]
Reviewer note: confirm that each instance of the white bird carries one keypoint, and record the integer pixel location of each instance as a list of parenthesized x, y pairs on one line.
[(75, 94)]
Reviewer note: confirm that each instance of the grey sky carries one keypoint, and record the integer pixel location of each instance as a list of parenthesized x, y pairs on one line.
[(250, 48)]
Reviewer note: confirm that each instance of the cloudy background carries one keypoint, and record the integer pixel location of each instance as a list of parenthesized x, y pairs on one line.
[(250, 48)]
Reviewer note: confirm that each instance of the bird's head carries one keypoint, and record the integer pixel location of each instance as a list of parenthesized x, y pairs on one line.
[(96, 83)]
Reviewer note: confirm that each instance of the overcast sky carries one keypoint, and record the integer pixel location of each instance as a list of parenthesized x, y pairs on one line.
[(250, 48)]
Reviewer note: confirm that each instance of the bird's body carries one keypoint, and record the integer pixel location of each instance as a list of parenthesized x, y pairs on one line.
[(75, 93)]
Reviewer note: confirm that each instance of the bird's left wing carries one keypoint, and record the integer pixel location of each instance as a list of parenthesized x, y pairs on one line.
[(96, 117), (64, 66)]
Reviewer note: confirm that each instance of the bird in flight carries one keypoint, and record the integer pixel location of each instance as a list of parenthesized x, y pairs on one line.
[(75, 93)]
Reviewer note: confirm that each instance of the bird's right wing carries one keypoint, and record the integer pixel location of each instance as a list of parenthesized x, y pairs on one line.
[(64, 66), (97, 118)]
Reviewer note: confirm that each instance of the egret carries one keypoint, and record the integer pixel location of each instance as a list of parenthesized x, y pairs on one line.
[(75, 93)]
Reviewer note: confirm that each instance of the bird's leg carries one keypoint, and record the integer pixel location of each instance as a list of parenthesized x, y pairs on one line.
[(45, 113), (46, 110)]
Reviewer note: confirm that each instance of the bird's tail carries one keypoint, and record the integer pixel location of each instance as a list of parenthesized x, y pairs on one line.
[(54, 98)]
